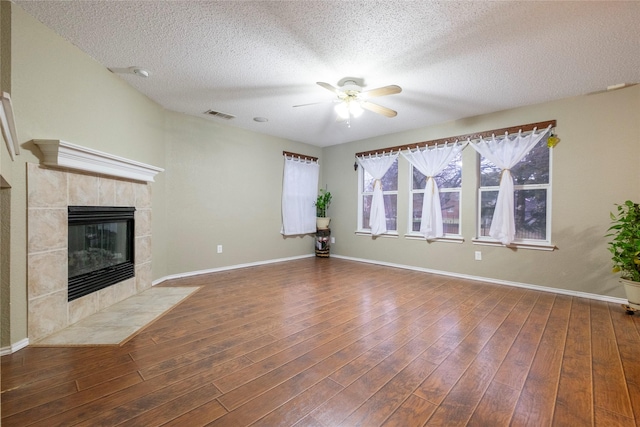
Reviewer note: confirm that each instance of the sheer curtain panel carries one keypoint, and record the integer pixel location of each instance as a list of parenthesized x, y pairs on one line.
[(505, 152), (299, 193), (430, 162), (376, 167)]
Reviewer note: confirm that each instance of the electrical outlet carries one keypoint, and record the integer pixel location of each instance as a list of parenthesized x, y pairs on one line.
[(478, 256), (219, 249), (333, 240)]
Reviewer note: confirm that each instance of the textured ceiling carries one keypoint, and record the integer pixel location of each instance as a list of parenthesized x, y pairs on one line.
[(259, 58)]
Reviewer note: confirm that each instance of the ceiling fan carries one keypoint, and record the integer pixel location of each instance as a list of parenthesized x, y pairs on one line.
[(352, 100)]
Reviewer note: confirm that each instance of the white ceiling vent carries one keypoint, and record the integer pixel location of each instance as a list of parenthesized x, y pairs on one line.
[(220, 115)]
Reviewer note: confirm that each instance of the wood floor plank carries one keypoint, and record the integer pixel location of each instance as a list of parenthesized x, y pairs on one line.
[(13, 406), (537, 399), (627, 337), (414, 411), (574, 403), (173, 408), (227, 350), (610, 390), (381, 405), (438, 385), (496, 406), (338, 408), (513, 371), (319, 342), (298, 407), (288, 353), (461, 400), (433, 319), (375, 330), (200, 416), (65, 403), (95, 410)]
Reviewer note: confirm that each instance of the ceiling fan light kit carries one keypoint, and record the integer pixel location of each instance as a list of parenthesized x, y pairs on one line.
[(349, 108)]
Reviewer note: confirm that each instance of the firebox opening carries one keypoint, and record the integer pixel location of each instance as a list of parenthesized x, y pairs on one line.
[(101, 248)]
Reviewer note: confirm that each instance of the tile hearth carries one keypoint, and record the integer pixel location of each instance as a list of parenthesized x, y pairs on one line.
[(118, 323)]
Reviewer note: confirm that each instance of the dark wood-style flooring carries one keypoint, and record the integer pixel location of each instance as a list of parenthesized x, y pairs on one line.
[(328, 342)]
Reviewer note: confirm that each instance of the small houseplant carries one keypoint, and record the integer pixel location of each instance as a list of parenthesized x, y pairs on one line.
[(322, 204), (625, 250)]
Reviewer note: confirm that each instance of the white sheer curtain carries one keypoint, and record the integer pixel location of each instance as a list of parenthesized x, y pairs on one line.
[(430, 162), (299, 193), (377, 166), (505, 152)]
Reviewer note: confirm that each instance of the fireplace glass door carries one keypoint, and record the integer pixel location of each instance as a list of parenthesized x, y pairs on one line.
[(101, 249)]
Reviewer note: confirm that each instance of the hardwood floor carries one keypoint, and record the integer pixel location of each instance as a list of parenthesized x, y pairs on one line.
[(327, 342)]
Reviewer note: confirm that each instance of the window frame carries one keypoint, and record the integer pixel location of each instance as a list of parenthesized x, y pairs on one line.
[(539, 244), (448, 237), (361, 194)]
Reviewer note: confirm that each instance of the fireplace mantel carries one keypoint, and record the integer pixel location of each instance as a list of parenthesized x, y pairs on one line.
[(64, 154)]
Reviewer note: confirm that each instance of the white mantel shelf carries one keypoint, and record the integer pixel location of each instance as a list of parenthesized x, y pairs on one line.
[(64, 154)]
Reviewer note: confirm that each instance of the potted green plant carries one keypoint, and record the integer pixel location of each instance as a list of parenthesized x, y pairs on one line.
[(322, 204), (625, 250)]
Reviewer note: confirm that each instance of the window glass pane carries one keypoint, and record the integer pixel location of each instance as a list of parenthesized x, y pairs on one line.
[(368, 183), (487, 206), (532, 169), (489, 173), (419, 180), (531, 214), (450, 204), (416, 215), (390, 207), (389, 180), (451, 176), (391, 211), (366, 211)]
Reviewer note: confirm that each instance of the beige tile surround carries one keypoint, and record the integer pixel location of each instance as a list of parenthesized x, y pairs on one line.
[(50, 191)]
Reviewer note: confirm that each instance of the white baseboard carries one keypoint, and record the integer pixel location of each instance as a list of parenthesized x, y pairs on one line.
[(490, 280), (228, 267), (14, 347)]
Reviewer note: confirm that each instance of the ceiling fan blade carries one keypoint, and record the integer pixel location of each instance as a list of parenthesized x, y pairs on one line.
[(378, 109), (311, 103), (382, 91), (329, 87), (611, 88)]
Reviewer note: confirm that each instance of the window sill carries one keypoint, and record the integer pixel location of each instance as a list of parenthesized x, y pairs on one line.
[(391, 234), (445, 239), (516, 245)]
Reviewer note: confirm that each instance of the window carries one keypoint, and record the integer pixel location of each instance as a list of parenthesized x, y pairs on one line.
[(390, 194), (449, 183), (532, 195)]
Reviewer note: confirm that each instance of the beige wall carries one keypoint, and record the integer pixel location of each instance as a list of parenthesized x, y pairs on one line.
[(223, 187), (595, 165)]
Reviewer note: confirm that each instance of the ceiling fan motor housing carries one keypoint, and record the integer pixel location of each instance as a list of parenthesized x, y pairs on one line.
[(351, 86)]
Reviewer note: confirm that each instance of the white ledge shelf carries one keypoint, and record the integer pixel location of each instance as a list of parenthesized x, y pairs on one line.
[(64, 154)]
